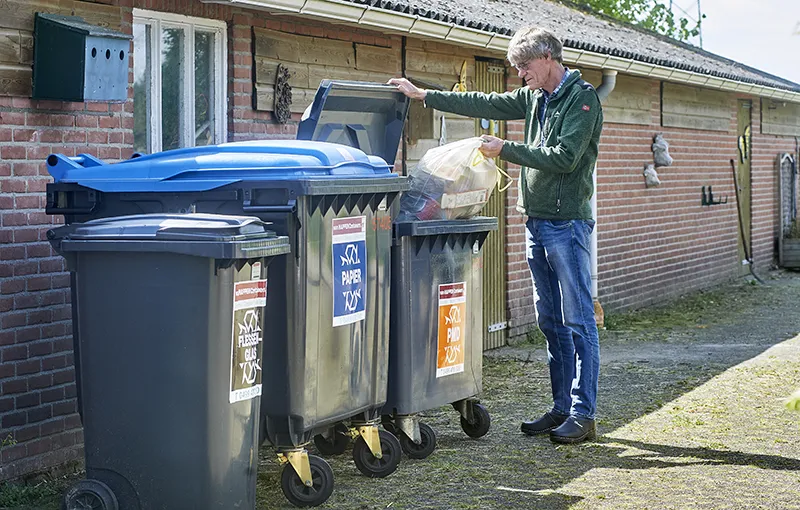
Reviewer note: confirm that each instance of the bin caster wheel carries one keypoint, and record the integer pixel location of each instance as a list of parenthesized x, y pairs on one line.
[(336, 444), (482, 422), (426, 445), (372, 466), (90, 495), (390, 427), (301, 495)]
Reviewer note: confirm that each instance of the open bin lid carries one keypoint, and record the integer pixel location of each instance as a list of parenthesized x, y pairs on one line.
[(367, 116), (202, 235), (419, 228)]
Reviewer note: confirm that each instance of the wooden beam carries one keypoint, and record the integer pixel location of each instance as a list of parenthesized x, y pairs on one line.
[(19, 14), (373, 58), (265, 98), (695, 108), (266, 69), (16, 82), (276, 45), (314, 50), (780, 118), (438, 63)]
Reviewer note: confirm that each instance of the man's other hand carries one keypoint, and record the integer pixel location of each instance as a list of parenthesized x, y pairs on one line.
[(491, 146)]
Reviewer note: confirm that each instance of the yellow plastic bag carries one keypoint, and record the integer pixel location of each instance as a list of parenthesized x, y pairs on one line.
[(453, 181)]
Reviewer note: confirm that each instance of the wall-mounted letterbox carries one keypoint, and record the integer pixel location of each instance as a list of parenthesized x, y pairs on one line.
[(76, 61)]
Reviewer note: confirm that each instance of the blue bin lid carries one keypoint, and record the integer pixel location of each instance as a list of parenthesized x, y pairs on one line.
[(367, 116), (213, 166)]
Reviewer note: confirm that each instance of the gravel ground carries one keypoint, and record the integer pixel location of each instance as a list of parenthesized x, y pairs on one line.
[(690, 415)]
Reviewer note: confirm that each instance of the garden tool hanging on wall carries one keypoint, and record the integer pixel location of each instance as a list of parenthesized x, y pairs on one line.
[(743, 144)]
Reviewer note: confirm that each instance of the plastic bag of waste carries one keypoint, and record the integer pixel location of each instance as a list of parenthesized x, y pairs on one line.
[(452, 181)]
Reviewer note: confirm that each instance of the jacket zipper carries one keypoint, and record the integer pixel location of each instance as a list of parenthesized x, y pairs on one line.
[(558, 197)]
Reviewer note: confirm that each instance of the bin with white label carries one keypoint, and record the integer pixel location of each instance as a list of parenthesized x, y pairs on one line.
[(171, 340), (334, 195), (436, 336)]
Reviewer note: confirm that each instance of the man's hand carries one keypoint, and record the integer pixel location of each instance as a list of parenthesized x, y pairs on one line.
[(491, 146), (408, 88)]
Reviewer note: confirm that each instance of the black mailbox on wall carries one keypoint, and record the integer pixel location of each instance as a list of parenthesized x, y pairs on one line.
[(76, 61)]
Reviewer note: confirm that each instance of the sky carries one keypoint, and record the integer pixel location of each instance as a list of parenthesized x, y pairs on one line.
[(758, 33)]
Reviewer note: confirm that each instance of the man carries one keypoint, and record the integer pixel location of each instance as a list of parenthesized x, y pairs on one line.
[(563, 120)]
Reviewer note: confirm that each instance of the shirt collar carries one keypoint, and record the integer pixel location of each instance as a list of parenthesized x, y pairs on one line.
[(567, 72)]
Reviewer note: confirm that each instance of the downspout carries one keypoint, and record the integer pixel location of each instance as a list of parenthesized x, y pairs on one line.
[(606, 86)]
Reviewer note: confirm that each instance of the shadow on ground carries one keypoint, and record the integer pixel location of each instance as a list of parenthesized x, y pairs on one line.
[(690, 416)]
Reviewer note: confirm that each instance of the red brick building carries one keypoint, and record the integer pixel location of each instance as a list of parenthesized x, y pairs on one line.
[(204, 72)]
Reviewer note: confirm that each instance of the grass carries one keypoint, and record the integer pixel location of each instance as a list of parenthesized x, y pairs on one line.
[(41, 492), (8, 441), (699, 309), (44, 494)]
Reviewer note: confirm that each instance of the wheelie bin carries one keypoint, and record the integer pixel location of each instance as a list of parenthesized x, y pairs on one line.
[(436, 336), (334, 196), (171, 329)]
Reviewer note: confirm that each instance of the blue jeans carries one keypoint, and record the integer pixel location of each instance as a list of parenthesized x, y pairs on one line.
[(559, 258)]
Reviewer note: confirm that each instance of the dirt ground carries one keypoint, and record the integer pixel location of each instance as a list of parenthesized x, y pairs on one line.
[(691, 415)]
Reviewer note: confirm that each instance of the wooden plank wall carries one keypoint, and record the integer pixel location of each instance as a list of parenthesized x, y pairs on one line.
[(780, 118), (695, 108), (438, 64), (629, 103), (312, 59), (16, 35)]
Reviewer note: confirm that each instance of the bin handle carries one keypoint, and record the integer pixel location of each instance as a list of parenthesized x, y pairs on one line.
[(289, 208), (71, 210)]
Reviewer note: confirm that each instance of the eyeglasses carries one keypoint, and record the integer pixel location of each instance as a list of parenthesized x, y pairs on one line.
[(523, 66)]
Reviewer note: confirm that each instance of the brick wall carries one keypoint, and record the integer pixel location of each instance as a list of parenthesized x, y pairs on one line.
[(765, 222), (658, 243), (38, 405), (521, 313), (37, 391), (661, 242)]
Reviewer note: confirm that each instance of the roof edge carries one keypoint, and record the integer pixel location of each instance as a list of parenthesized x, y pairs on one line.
[(401, 18)]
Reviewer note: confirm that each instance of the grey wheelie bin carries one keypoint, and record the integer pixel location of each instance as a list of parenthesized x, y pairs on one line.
[(436, 338), (171, 322), (334, 196)]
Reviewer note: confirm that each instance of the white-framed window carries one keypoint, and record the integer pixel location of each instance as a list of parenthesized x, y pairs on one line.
[(179, 81)]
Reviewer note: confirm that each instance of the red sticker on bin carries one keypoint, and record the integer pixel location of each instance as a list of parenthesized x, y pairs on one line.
[(585, 107), (250, 294)]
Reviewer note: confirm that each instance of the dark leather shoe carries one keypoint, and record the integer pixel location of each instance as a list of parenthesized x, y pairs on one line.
[(546, 423), (574, 430)]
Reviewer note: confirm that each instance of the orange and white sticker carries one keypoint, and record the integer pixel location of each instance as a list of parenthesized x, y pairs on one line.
[(452, 328)]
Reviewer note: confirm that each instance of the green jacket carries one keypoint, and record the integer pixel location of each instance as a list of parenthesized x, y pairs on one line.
[(556, 178)]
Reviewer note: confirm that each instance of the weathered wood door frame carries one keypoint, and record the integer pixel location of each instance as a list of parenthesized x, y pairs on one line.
[(490, 76)]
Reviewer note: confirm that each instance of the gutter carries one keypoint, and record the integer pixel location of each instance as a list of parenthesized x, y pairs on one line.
[(387, 21)]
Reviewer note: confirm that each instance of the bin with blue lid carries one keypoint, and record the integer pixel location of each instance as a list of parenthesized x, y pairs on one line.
[(334, 196), (171, 335)]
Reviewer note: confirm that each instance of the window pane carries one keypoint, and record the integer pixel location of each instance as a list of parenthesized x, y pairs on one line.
[(204, 88), (141, 88), (172, 40)]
